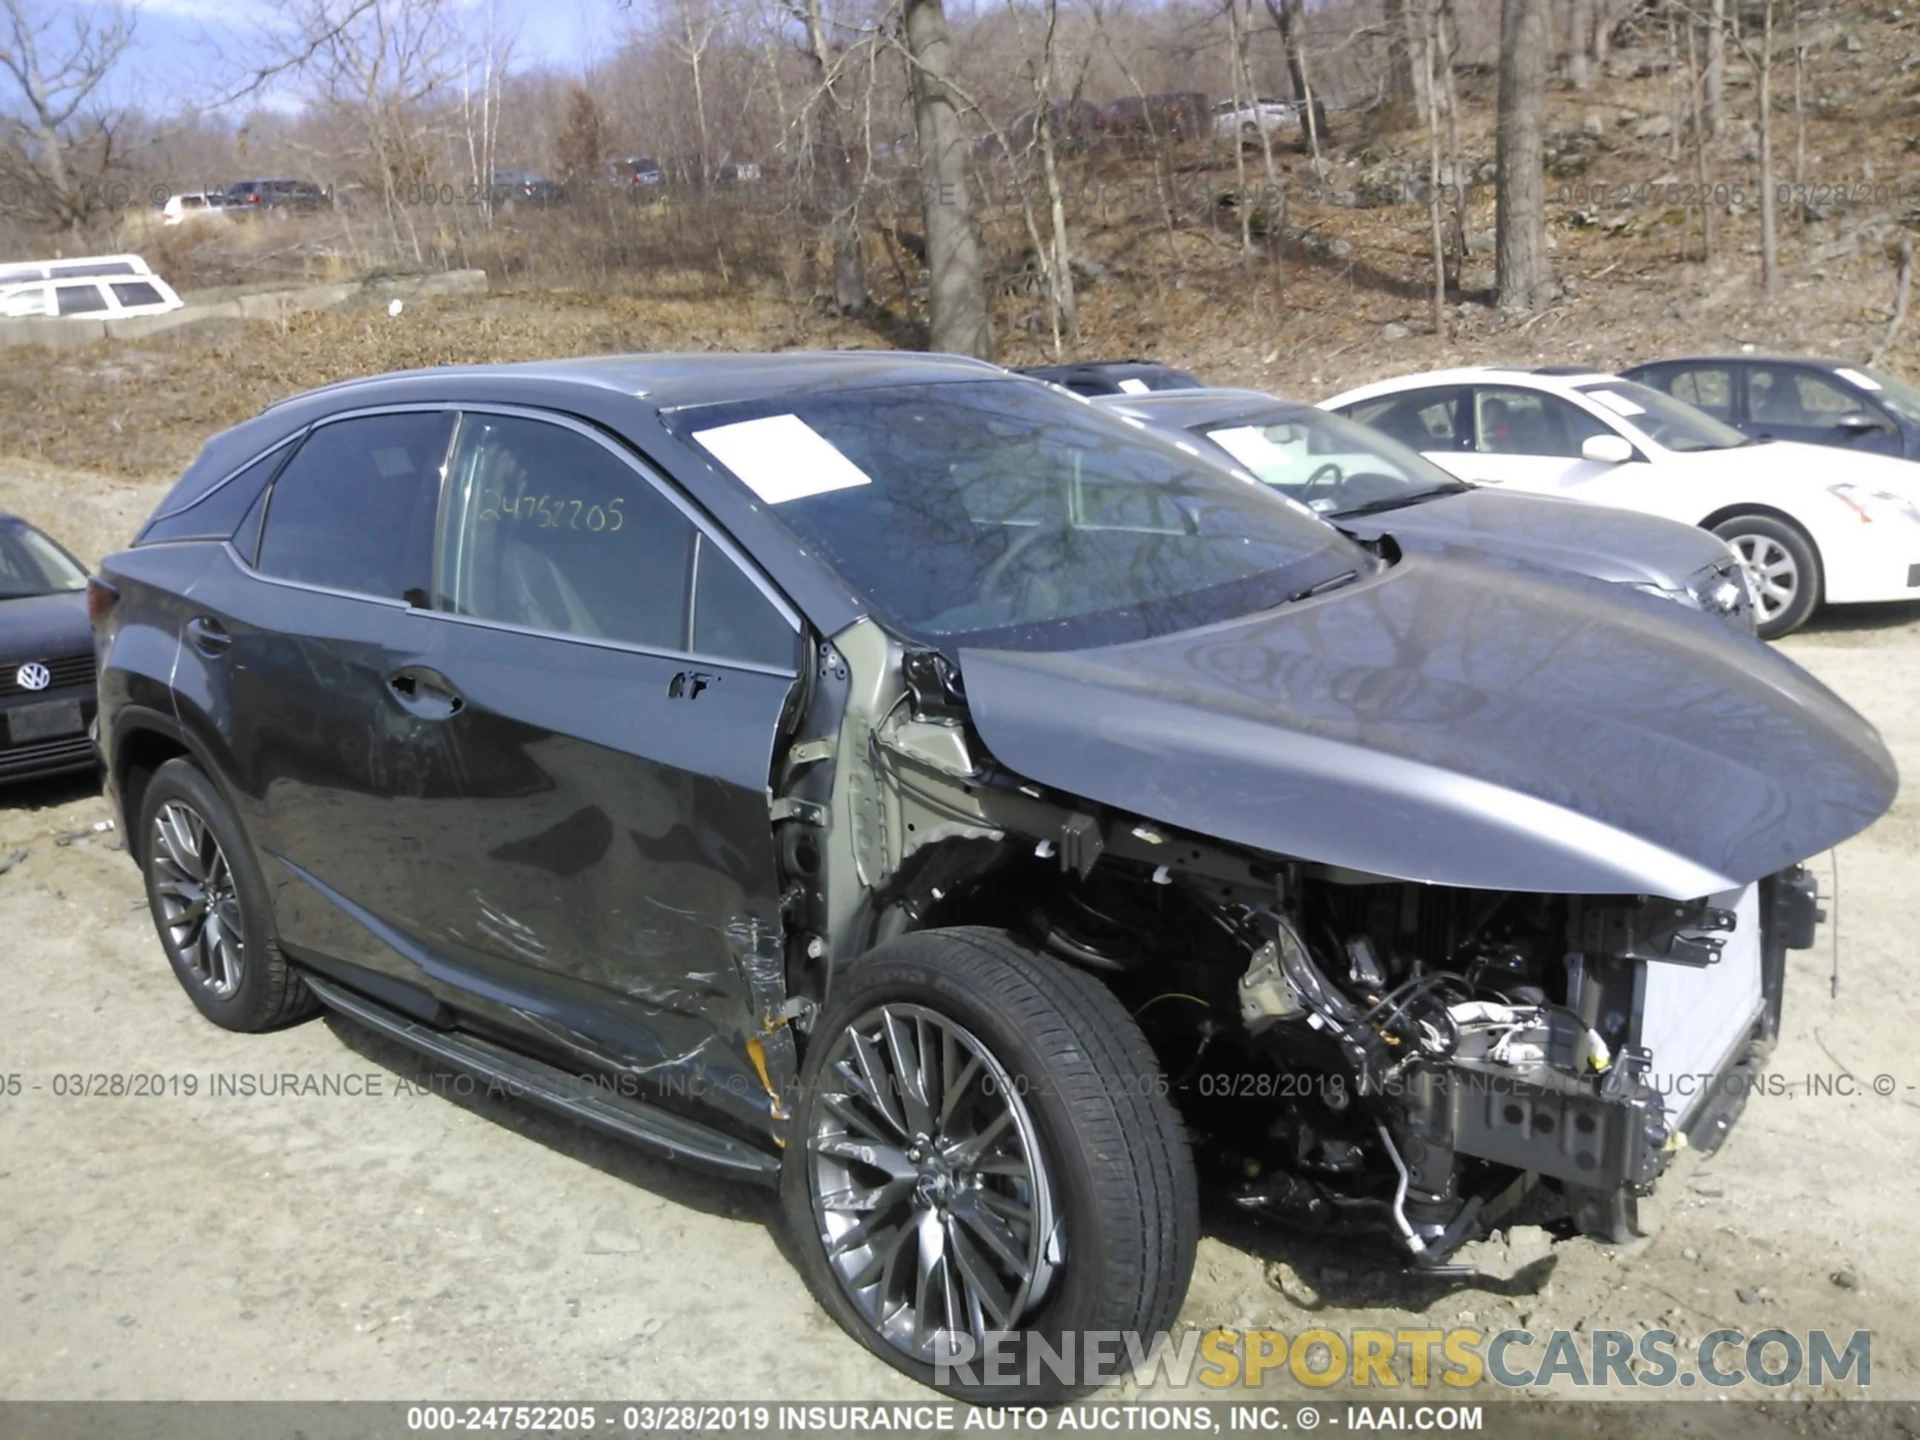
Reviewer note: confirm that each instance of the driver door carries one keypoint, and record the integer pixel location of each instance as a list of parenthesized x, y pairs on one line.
[(1530, 440)]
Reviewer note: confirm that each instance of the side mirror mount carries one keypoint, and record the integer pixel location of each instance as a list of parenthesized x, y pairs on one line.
[(1606, 449), (1860, 422)]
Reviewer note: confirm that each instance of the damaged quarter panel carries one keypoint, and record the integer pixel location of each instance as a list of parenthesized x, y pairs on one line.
[(1445, 722)]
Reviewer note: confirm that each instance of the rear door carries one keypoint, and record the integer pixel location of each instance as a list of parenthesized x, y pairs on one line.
[(1434, 420), (590, 847), (1530, 440), (288, 663)]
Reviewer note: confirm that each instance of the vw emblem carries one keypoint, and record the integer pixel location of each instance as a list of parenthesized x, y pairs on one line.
[(33, 676)]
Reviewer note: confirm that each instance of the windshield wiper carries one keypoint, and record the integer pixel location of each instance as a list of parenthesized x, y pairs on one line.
[(1321, 587), (1394, 502)]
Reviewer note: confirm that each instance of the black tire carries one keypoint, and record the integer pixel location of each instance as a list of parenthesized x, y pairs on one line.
[(1765, 542), (250, 987), (1112, 1160)]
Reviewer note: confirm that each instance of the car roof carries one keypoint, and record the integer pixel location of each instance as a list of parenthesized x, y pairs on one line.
[(676, 381), (1102, 370), (1817, 362), (1545, 378)]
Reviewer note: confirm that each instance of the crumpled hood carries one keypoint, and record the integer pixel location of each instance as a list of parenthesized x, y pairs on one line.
[(1448, 722), (44, 627), (1598, 540)]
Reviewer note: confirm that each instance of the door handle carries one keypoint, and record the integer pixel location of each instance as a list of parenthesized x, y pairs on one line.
[(209, 636), (688, 684), (425, 693)]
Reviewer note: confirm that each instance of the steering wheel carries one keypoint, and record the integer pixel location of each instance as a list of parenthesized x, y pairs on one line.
[(1329, 475), (991, 577)]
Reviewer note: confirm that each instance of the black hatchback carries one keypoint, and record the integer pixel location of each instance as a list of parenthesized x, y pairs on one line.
[(896, 781)]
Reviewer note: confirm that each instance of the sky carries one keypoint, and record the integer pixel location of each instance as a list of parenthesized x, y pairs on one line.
[(190, 51)]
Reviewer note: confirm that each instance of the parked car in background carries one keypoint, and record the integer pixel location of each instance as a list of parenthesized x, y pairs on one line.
[(1112, 377), (1371, 485), (522, 187), (110, 297), (194, 205), (1812, 525), (278, 197), (1245, 119), (46, 656), (78, 267), (1815, 402), (639, 171), (890, 780)]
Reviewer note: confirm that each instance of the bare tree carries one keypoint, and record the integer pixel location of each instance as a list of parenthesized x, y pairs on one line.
[(1429, 49), (829, 152), (1285, 13), (1580, 22), (1716, 67), (1521, 228), (56, 150), (957, 292)]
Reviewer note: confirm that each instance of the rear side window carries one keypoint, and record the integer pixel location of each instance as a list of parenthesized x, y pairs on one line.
[(78, 299), (354, 509), (136, 292), (217, 514), (1705, 387)]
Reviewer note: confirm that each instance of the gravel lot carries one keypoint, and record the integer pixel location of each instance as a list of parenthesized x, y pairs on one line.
[(418, 1243)]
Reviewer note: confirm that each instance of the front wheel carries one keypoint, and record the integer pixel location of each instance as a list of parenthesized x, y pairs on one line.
[(985, 1169), (1782, 566)]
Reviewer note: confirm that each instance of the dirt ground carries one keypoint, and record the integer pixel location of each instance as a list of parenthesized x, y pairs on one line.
[(413, 1244)]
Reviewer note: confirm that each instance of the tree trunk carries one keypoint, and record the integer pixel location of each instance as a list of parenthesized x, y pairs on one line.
[(1430, 35), (958, 289), (1521, 228), (1282, 12), (1769, 229), (1402, 84), (843, 227), (1580, 26), (1716, 66)]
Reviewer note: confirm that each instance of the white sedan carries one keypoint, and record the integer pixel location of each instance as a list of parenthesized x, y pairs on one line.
[(1812, 524)]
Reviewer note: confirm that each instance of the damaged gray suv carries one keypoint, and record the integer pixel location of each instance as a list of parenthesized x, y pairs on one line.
[(888, 779)]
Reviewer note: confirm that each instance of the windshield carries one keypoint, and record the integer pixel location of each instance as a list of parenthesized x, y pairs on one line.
[(1332, 465), (31, 564), (1001, 513), (1671, 424), (1900, 396)]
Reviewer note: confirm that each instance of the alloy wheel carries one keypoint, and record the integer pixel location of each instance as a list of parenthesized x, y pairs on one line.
[(930, 1190), (199, 902), (1771, 568)]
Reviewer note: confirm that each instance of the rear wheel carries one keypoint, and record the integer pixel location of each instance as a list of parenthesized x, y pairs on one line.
[(210, 905), (1782, 566), (984, 1160)]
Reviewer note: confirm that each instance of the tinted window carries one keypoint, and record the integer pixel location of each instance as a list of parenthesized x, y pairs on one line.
[(78, 299), (136, 292), (550, 529), (1528, 422), (354, 508), (1783, 395), (217, 514), (1000, 512), (1418, 419), (1705, 387), (731, 618)]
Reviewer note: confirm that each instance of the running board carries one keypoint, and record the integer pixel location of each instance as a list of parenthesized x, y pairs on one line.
[(646, 1126)]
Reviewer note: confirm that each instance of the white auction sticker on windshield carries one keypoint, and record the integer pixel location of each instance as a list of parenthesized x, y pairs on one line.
[(1617, 402), (1865, 382), (781, 458)]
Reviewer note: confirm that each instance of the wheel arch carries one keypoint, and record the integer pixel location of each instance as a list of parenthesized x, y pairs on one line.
[(143, 741), (1770, 512)]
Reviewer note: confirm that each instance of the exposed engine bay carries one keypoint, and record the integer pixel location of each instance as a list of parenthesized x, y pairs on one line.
[(1352, 1053)]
